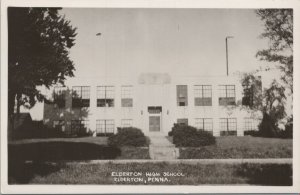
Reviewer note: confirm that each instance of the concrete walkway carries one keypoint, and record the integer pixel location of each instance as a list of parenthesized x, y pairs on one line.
[(161, 148), (186, 161)]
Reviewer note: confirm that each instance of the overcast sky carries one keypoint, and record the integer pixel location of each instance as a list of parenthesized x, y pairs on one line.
[(177, 41)]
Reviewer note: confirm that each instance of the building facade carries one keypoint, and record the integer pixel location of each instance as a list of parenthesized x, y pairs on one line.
[(152, 102)]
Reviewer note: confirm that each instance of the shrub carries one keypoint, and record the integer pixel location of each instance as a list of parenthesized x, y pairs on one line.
[(253, 133), (84, 133), (36, 129), (267, 127), (129, 136), (188, 136), (288, 132)]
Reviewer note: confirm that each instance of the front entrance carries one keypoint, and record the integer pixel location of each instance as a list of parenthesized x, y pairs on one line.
[(154, 118), (154, 123)]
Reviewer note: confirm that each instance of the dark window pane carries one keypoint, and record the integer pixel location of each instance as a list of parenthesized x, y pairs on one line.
[(182, 121), (182, 95), (203, 101), (109, 102), (154, 109), (100, 102), (127, 102), (105, 102), (181, 103), (223, 101)]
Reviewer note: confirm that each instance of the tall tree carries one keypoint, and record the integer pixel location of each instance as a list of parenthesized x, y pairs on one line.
[(252, 90), (270, 101), (278, 30), (39, 40)]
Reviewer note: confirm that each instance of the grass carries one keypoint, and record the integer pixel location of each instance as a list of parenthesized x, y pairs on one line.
[(241, 147), (86, 148), (134, 153), (95, 140), (186, 174)]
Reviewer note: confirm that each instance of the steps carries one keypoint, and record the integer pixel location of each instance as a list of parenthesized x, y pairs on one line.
[(161, 148)]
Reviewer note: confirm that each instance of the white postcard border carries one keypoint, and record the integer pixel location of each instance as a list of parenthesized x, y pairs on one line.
[(51, 189)]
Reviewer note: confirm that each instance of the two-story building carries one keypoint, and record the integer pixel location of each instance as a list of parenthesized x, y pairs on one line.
[(152, 102)]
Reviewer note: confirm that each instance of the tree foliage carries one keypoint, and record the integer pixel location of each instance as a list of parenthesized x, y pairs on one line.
[(252, 90), (39, 40), (278, 29), (274, 101), (270, 101)]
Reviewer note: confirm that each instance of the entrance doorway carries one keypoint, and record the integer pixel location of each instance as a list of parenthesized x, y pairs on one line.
[(154, 118), (154, 123)]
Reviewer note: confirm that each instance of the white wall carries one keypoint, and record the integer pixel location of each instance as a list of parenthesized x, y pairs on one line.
[(160, 90)]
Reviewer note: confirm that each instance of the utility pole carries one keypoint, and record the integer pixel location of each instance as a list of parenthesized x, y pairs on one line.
[(226, 41)]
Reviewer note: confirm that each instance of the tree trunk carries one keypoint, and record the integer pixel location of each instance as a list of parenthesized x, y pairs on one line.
[(18, 103), (10, 120)]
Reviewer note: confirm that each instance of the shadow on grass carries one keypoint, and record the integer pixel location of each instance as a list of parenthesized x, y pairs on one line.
[(21, 172), (47, 151), (267, 174)]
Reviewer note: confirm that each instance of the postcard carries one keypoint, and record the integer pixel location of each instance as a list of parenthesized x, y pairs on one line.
[(149, 96)]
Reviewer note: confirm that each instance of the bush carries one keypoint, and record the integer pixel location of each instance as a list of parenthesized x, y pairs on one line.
[(253, 133), (187, 136), (129, 136), (267, 127), (288, 132), (84, 133), (36, 129)]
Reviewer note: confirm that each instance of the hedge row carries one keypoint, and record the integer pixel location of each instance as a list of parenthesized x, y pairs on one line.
[(128, 136), (188, 136)]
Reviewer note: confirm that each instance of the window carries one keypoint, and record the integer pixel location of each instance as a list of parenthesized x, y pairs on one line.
[(154, 109), (203, 95), (126, 96), (251, 124), (79, 126), (182, 121), (126, 122), (105, 96), (182, 95), (204, 124), (105, 127), (228, 126), (80, 96), (226, 95), (59, 96), (59, 125)]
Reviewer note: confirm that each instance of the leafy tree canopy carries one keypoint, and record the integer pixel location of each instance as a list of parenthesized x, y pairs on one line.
[(278, 30), (39, 40), (252, 90)]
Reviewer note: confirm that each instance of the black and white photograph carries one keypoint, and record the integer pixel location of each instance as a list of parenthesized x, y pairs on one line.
[(148, 96)]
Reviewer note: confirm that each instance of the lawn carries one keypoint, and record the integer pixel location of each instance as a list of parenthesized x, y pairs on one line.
[(95, 140), (241, 147), (183, 174), (86, 148)]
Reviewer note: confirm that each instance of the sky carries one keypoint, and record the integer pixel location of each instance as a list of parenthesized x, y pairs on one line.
[(177, 41)]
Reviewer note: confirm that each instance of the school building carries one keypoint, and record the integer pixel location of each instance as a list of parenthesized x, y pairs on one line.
[(152, 102)]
